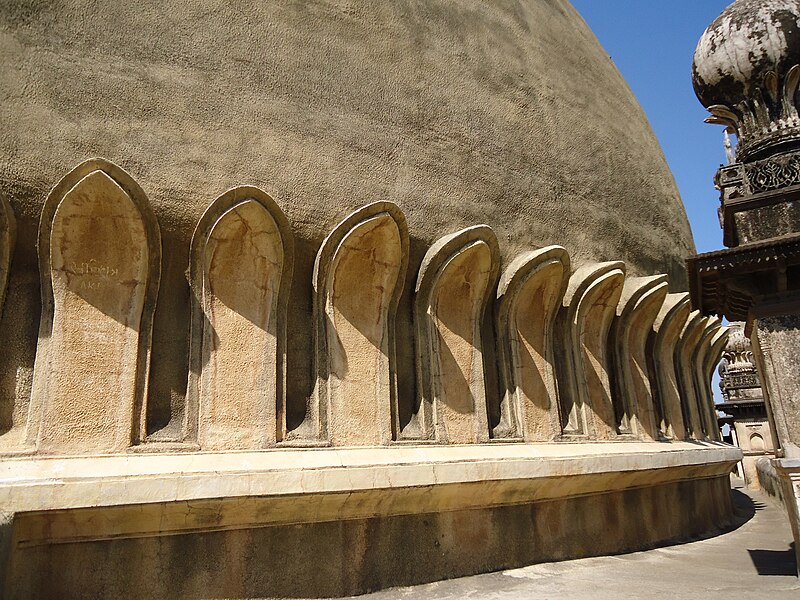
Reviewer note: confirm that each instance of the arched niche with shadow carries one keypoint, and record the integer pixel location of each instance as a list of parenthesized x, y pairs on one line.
[(714, 340), (662, 365), (528, 297), (684, 358), (358, 278), (100, 266), (583, 324), (455, 281), (8, 232), (240, 270), (639, 305)]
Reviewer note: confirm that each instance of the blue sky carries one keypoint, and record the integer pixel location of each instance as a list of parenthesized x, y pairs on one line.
[(652, 43)]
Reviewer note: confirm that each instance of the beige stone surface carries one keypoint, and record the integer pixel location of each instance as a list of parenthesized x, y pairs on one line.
[(509, 114), (98, 255), (685, 350), (662, 344), (713, 356), (584, 321), (241, 374), (528, 297), (702, 375), (641, 300), (453, 289), (358, 279)]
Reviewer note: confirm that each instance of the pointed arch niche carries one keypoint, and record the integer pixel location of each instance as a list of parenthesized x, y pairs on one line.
[(455, 280), (639, 305), (358, 277), (241, 266), (528, 297), (583, 325), (100, 266), (663, 365)]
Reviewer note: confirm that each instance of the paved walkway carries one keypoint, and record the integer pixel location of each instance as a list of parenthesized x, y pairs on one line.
[(755, 560)]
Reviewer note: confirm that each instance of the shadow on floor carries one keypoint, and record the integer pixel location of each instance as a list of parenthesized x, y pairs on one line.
[(774, 562), (744, 508)]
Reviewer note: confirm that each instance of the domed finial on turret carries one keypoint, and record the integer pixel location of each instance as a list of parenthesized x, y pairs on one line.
[(746, 71), (738, 374)]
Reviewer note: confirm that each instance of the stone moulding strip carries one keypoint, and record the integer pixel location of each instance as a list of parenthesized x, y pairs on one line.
[(151, 495), (153, 238), (201, 291)]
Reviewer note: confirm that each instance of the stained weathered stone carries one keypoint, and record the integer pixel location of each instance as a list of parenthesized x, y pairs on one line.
[(684, 355), (663, 365), (358, 278), (638, 308), (776, 349), (8, 231), (457, 276), (528, 297), (100, 263), (241, 265), (583, 325)]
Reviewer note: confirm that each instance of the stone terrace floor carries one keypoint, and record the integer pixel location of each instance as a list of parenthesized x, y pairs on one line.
[(755, 560)]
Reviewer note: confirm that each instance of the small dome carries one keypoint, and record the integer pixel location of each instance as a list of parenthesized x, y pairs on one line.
[(750, 39), (741, 70)]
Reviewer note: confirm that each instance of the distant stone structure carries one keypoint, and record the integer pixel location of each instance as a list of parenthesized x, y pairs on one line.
[(417, 357), (743, 406), (747, 73)]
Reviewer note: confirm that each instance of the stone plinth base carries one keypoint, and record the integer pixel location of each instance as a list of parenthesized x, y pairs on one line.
[(317, 523)]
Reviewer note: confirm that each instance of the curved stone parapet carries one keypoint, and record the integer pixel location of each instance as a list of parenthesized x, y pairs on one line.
[(716, 348), (100, 265), (662, 364), (8, 232), (453, 288), (240, 270), (528, 297), (583, 324), (358, 277), (638, 308), (684, 351)]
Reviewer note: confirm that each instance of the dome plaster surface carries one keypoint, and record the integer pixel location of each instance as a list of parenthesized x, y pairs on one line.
[(505, 113)]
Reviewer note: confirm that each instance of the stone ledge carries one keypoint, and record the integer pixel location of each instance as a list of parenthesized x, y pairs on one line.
[(84, 498)]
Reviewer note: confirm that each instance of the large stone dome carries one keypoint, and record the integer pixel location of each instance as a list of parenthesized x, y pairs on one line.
[(504, 113)]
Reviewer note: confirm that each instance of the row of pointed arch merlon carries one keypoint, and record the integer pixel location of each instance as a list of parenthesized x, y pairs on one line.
[(586, 354)]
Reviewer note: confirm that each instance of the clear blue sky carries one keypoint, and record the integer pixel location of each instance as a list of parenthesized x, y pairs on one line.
[(652, 43)]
